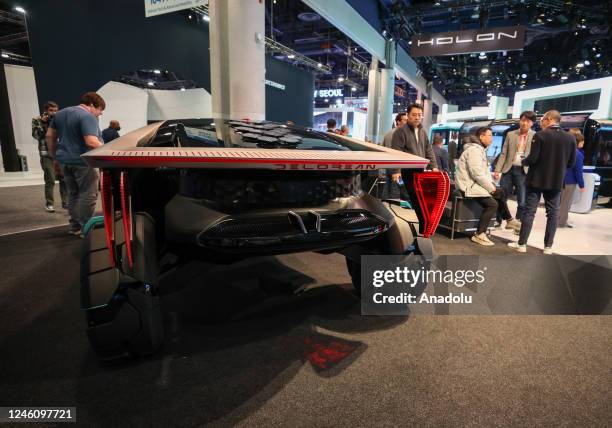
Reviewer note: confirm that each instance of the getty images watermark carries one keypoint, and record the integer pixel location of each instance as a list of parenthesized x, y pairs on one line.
[(398, 285), (405, 276)]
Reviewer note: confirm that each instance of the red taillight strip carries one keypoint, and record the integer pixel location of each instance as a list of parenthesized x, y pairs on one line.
[(432, 189), (106, 187), (126, 214)]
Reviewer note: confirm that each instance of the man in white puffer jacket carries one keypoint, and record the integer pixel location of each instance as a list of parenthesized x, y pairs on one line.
[(473, 179)]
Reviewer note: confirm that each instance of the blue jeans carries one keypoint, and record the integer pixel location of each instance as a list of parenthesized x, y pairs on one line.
[(552, 199), (82, 187), (515, 177)]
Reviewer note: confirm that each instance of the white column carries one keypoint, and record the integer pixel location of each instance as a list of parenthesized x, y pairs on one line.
[(387, 91), (373, 99), (427, 108), (237, 59)]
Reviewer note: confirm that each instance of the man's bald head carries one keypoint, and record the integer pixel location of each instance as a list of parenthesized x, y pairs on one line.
[(114, 124)]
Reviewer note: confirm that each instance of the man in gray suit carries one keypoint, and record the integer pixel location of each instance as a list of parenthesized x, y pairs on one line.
[(516, 148)]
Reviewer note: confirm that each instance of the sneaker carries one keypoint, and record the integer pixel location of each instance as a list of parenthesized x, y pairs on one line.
[(50, 208), (513, 224), (482, 239), (547, 250), (517, 247)]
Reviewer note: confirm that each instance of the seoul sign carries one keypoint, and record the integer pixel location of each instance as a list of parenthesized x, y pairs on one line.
[(469, 41), (329, 93)]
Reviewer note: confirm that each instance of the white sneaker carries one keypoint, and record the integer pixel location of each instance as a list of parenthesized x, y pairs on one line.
[(482, 239), (547, 250), (517, 247), (49, 208)]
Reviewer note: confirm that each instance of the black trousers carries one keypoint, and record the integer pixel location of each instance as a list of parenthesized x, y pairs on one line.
[(491, 205)]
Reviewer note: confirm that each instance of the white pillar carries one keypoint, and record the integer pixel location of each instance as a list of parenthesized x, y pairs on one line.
[(427, 108), (387, 91), (373, 98), (498, 107), (237, 53)]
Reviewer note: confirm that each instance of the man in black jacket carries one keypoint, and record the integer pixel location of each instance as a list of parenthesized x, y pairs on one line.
[(552, 151), (410, 138)]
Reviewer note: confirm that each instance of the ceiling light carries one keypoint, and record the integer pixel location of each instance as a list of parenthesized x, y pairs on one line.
[(489, 94), (5, 55), (487, 81), (484, 70), (587, 62), (326, 100), (319, 65), (553, 70), (156, 71), (150, 83), (340, 79), (598, 55), (290, 56), (354, 89), (524, 76), (579, 65), (183, 89), (206, 18), (410, 42), (190, 16), (20, 9), (563, 77)]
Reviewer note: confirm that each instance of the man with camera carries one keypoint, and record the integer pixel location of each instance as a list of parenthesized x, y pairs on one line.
[(40, 124)]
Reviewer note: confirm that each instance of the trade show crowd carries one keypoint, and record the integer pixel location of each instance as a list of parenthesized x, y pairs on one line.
[(531, 165)]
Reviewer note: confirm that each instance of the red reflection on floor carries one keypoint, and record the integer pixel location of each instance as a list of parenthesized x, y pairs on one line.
[(325, 352)]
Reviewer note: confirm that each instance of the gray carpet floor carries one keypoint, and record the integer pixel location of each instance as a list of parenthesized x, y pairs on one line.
[(236, 355)]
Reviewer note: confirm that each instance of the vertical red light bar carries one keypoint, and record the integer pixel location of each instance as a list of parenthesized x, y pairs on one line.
[(432, 189), (106, 187), (126, 214)]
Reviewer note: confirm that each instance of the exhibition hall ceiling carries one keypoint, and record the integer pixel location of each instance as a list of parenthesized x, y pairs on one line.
[(566, 41)]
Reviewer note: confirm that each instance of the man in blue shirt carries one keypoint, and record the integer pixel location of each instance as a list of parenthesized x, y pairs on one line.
[(112, 132), (74, 131)]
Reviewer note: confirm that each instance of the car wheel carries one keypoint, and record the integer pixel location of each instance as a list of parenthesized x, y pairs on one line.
[(123, 313), (354, 270)]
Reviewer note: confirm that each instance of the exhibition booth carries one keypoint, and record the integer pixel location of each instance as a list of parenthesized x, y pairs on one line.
[(224, 259)]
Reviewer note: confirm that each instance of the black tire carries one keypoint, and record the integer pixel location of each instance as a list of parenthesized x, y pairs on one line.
[(122, 312), (354, 270)]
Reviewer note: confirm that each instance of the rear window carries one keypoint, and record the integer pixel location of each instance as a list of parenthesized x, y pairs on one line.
[(243, 134)]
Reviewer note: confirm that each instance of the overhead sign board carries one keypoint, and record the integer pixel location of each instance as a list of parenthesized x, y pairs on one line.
[(329, 93), (159, 7), (275, 84), (461, 42)]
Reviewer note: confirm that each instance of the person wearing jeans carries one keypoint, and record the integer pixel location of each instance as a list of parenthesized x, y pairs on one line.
[(74, 131), (573, 177), (517, 146), (552, 151)]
